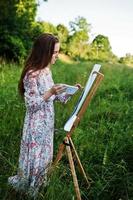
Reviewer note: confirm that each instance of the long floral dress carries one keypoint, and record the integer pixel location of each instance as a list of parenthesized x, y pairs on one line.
[(36, 152)]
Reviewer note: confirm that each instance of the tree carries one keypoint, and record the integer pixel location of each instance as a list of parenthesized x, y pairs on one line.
[(101, 48), (63, 34), (79, 24), (16, 18), (127, 59), (78, 42), (10, 42)]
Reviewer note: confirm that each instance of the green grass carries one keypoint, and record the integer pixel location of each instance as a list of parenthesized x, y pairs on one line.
[(103, 138)]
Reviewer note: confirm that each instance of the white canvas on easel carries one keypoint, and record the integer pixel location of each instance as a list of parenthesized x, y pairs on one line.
[(82, 98)]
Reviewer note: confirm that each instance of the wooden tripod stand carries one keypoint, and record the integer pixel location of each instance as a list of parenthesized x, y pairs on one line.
[(68, 143)]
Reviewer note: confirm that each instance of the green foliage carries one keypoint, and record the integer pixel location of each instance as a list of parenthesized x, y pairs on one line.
[(63, 34), (37, 29), (7, 16), (12, 48), (79, 24), (41, 27), (101, 49), (26, 11), (18, 27), (128, 59), (78, 45), (78, 42), (103, 138), (102, 42), (16, 18)]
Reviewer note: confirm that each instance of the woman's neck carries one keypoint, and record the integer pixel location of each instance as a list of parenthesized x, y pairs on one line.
[(48, 66), (47, 70)]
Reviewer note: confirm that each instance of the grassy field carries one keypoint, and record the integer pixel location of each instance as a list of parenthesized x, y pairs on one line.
[(103, 138)]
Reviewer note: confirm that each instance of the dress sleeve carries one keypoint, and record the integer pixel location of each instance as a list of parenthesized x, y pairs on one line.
[(33, 99), (63, 98)]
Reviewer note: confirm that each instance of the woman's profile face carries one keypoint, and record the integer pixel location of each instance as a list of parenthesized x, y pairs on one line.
[(55, 53)]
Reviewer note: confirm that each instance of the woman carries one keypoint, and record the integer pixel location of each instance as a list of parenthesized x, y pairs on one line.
[(37, 87)]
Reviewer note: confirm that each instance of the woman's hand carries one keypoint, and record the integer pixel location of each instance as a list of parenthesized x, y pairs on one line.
[(57, 89), (79, 86)]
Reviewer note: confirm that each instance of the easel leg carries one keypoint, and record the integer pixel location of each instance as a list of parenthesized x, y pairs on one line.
[(59, 154), (76, 186), (58, 158), (79, 163)]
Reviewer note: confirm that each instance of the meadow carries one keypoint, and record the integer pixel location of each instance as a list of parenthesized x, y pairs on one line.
[(103, 139)]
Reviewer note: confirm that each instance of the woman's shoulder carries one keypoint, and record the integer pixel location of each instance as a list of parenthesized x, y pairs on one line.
[(46, 71), (32, 74), (42, 73)]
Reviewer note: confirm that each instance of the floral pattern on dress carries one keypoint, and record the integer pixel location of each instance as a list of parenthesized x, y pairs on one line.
[(36, 151)]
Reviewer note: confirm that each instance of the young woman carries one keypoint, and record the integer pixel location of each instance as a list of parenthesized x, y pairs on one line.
[(37, 87)]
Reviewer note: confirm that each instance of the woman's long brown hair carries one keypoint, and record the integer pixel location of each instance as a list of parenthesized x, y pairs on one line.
[(39, 57)]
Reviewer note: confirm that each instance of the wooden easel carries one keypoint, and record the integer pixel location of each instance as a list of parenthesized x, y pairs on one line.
[(67, 142)]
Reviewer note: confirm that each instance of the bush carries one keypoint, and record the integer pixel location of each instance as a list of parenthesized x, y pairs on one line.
[(12, 48)]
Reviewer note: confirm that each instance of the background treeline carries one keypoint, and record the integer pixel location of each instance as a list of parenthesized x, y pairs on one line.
[(18, 29)]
